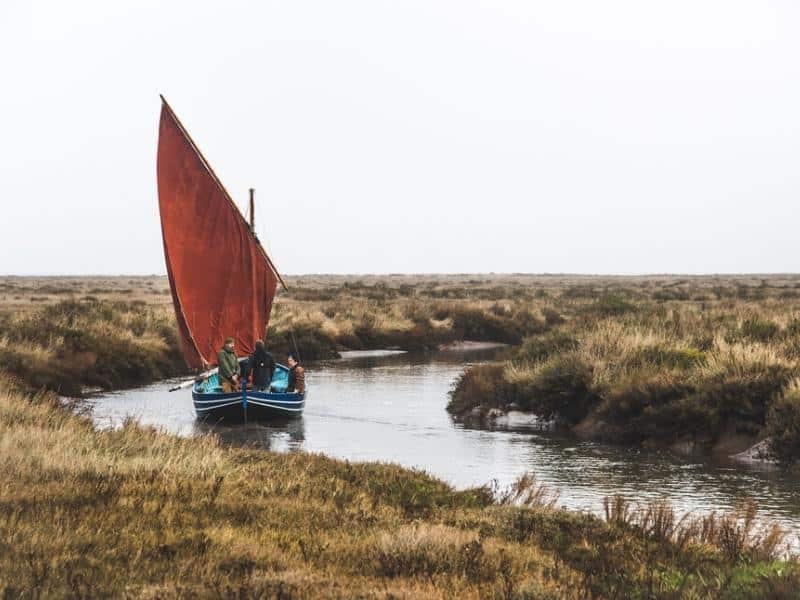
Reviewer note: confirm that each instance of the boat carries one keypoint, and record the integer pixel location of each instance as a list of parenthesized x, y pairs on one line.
[(211, 402), (222, 281)]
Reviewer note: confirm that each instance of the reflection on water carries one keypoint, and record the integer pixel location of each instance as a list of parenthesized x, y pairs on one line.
[(391, 408), (277, 436)]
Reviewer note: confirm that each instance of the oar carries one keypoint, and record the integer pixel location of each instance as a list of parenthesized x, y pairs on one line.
[(205, 375), (190, 382)]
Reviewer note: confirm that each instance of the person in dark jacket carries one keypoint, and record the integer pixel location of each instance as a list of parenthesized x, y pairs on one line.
[(229, 370), (262, 366), (297, 375)]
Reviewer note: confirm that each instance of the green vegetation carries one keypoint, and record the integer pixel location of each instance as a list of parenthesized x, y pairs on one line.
[(138, 513), (661, 365), (74, 344), (783, 422), (67, 333), (701, 362), (357, 316)]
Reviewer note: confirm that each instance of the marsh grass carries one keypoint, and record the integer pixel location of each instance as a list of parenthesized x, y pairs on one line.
[(135, 512), (737, 535), (138, 513), (659, 360), (527, 491), (408, 323), (783, 422), (73, 344), (427, 550), (654, 366), (112, 332)]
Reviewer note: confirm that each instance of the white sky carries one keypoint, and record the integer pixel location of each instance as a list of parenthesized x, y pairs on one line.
[(432, 136)]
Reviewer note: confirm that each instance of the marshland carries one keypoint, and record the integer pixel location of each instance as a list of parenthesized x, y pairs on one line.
[(658, 366), (695, 363)]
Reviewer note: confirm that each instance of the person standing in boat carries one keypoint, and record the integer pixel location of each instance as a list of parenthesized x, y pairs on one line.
[(297, 375), (262, 366), (229, 369)]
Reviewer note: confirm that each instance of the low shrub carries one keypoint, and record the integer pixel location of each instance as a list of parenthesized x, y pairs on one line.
[(476, 324), (783, 423), (610, 305), (312, 343), (480, 385), (760, 330), (529, 492), (426, 550), (551, 316), (561, 387), (735, 535), (540, 347), (75, 344), (670, 358)]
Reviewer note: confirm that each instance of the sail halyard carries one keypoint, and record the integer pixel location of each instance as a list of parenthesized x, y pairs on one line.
[(219, 273)]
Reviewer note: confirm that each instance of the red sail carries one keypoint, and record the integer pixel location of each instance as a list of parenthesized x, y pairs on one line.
[(222, 281)]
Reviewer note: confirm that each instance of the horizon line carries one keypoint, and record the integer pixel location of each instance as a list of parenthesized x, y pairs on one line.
[(449, 273)]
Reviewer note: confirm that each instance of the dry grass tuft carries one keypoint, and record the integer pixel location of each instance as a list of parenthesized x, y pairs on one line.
[(736, 535), (527, 491)]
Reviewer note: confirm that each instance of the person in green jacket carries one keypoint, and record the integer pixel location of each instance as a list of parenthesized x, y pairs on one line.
[(229, 369)]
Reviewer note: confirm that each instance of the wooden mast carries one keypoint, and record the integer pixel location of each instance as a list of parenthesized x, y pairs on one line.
[(252, 211)]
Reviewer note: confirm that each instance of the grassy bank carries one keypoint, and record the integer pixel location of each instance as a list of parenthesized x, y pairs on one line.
[(409, 314), (138, 513), (713, 369), (73, 344), (66, 333), (695, 362)]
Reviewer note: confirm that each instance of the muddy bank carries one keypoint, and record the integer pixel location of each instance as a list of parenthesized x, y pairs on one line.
[(731, 445), (470, 345)]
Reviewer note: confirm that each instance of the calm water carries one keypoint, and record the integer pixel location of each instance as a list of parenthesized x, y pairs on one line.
[(391, 408)]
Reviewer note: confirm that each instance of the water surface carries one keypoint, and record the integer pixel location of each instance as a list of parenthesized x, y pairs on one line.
[(391, 407)]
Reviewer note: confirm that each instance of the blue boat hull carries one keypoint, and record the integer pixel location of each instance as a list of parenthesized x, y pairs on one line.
[(257, 406), (212, 404)]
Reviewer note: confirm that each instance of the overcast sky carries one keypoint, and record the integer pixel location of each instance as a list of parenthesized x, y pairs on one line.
[(432, 136)]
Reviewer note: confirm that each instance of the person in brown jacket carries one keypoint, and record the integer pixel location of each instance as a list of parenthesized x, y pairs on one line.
[(297, 375)]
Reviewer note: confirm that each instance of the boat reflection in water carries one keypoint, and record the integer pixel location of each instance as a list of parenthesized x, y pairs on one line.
[(282, 435)]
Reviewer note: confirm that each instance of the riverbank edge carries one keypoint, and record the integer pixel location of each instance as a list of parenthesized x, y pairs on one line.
[(74, 346), (733, 446), (142, 512), (147, 378)]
